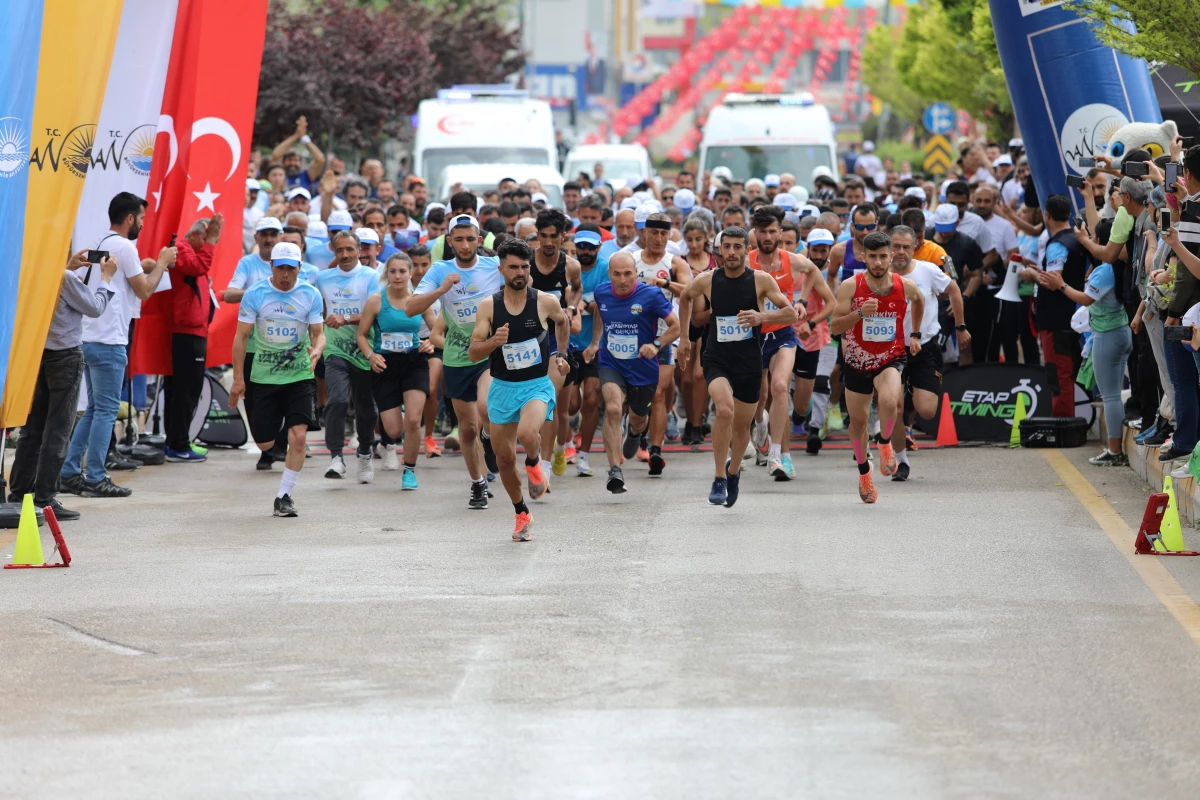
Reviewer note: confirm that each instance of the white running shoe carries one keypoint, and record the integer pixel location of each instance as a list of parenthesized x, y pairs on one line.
[(581, 465), (337, 468), (775, 466), (366, 472), (391, 461), (759, 434)]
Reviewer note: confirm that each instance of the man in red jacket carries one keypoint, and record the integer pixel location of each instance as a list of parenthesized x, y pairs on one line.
[(192, 309)]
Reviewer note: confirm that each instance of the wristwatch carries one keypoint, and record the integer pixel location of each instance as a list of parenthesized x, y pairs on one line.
[(960, 327), (859, 310), (657, 344), (915, 335), (1063, 288)]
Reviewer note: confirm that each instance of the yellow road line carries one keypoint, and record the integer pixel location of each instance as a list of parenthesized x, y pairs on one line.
[(1151, 569)]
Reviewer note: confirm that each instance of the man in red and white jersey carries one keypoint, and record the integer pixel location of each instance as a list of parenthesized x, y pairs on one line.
[(870, 312)]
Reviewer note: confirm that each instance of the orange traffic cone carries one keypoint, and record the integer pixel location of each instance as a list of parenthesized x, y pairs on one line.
[(947, 433)]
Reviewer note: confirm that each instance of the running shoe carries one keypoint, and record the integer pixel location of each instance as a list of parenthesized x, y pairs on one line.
[(558, 464), (489, 455), (732, 483), (787, 467), (813, 445), (616, 480), (284, 507), (643, 453), (195, 448), (657, 462), (887, 459), (1110, 459), (910, 443), (581, 466), (760, 457), (760, 436), (901, 472), (265, 460), (105, 488), (570, 453), (522, 527), (451, 442), (431, 448), (672, 428), (62, 514), (834, 418), (391, 461), (337, 468), (366, 471), (71, 485), (183, 456), (479, 495), (408, 481), (775, 468), (866, 488), (1146, 434), (719, 492), (537, 481), (546, 473), (629, 447)]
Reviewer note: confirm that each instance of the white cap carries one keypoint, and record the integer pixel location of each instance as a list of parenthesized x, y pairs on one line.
[(340, 220), (462, 221), (253, 185), (536, 196), (868, 146), (642, 213), (1003, 160), (798, 192), (628, 203), (317, 229), (809, 210), (643, 196), (724, 173), (785, 201), (819, 236), (771, 180), (286, 253), (431, 206), (1013, 144), (685, 200), (822, 170), (945, 218), (916, 191), (367, 236), (298, 191), (791, 216), (268, 224)]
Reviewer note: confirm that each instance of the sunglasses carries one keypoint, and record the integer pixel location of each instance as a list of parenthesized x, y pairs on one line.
[(870, 226), (586, 246)]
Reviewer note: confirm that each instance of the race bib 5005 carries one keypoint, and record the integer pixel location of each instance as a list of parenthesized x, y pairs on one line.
[(623, 346)]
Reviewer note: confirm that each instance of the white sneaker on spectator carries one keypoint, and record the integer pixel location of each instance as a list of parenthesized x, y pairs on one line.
[(1180, 473), (337, 468), (366, 472), (391, 461)]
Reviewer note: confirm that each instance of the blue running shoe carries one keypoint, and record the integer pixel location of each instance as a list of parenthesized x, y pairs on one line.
[(184, 456), (733, 482), (409, 481), (719, 492)]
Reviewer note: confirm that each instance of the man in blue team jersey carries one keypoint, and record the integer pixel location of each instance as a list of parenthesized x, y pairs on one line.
[(624, 339)]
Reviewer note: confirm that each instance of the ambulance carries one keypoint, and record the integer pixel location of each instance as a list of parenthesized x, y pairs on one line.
[(756, 135)]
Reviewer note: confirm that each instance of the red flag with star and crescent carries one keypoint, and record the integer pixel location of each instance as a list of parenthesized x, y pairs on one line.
[(200, 157)]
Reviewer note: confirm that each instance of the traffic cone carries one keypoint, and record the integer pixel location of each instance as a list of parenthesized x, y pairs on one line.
[(1014, 438), (947, 433), (1172, 533), (29, 542)]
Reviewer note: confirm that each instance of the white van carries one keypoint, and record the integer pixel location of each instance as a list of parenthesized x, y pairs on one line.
[(482, 125), (756, 135), (480, 178), (624, 164)]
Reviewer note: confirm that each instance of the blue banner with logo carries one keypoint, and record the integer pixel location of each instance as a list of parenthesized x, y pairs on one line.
[(19, 44), (1069, 92)]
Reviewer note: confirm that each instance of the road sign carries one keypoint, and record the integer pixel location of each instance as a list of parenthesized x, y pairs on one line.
[(939, 118), (938, 157)]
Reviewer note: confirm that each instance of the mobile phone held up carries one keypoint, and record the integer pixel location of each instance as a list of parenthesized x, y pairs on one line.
[(1075, 182), (1177, 333), (1164, 219), (96, 256), (1134, 169), (1087, 161)]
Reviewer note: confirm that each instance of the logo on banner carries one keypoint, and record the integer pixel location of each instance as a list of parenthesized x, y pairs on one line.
[(140, 144), (1087, 131), (72, 150), (14, 147), (1001, 405)]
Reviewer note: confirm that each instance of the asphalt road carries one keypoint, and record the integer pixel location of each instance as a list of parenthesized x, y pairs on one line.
[(974, 634)]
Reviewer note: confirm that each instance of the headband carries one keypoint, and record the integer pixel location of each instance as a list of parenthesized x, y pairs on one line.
[(659, 224)]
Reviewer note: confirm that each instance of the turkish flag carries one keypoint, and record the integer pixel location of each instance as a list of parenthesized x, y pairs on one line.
[(200, 156)]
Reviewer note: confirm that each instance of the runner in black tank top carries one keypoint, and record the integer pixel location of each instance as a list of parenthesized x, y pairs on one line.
[(732, 360), (555, 282), (525, 326)]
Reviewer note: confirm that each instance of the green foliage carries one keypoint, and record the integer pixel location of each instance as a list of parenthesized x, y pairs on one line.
[(1156, 30), (946, 52)]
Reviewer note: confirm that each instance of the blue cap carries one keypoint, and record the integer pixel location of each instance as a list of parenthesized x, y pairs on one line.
[(587, 237)]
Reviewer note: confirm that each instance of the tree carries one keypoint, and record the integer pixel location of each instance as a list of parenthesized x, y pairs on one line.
[(1156, 30), (946, 51), (358, 70)]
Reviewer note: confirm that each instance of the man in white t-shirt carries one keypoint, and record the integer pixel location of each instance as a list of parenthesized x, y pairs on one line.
[(106, 347)]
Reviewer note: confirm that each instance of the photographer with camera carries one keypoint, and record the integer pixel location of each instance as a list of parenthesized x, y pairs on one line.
[(43, 443)]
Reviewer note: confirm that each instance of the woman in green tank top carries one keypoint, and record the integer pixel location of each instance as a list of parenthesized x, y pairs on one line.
[(390, 339)]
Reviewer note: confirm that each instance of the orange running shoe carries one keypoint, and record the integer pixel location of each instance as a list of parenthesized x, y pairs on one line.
[(537, 481), (887, 459), (431, 448), (866, 488), (643, 454), (522, 527), (569, 451)]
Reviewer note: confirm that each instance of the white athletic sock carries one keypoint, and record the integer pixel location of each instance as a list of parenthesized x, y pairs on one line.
[(902, 457), (776, 449), (288, 482), (559, 448)]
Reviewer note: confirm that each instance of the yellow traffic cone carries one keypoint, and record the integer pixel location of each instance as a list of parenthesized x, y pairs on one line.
[(1170, 530), (29, 541), (1014, 438)]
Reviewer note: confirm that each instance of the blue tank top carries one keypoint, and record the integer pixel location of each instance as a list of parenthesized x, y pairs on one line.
[(394, 331), (851, 266)]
